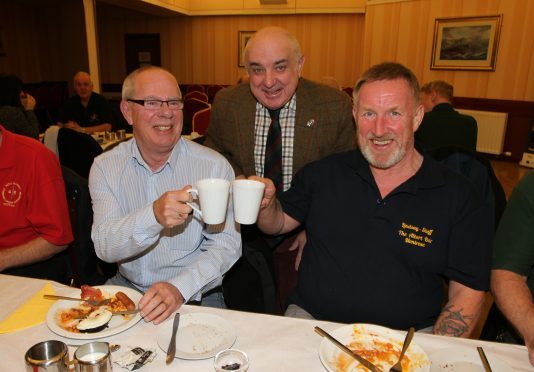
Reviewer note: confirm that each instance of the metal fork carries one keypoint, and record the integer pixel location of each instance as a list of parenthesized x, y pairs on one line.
[(397, 367), (90, 302)]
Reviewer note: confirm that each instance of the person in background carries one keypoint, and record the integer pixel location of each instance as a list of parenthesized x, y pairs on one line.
[(314, 121), (512, 274), (386, 221), (16, 108), (442, 125), (86, 111), (34, 218), (331, 82), (141, 219)]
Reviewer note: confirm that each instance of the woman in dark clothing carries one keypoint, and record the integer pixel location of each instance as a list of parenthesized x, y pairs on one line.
[(16, 108)]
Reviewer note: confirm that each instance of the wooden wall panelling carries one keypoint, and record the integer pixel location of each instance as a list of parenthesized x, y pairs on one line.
[(43, 41), (391, 33), (204, 49), (520, 120), (20, 41)]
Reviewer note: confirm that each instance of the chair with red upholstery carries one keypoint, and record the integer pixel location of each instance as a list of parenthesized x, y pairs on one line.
[(195, 88), (191, 106), (201, 121), (212, 90), (198, 95)]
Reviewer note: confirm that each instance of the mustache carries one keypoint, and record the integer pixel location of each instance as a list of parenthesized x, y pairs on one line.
[(383, 137)]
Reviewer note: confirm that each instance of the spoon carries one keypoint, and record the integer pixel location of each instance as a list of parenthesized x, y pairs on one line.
[(397, 367)]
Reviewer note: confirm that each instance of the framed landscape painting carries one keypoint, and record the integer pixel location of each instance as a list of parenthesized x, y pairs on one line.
[(242, 40), (467, 43)]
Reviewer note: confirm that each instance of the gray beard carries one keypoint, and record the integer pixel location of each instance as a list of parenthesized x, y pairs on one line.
[(393, 159)]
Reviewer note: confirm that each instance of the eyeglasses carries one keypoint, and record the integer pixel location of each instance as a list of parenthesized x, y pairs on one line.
[(156, 104)]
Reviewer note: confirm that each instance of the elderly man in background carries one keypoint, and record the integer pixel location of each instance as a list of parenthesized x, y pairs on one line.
[(386, 221), (139, 193), (276, 124), (34, 218), (443, 126), (86, 111), (512, 275)]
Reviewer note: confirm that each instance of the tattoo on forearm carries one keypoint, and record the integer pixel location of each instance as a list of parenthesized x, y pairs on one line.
[(453, 323)]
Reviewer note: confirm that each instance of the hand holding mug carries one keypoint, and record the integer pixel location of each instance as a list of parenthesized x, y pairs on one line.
[(171, 208), (269, 193)]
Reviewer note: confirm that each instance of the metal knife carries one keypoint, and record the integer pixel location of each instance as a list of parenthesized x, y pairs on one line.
[(171, 350), (485, 362), (370, 366), (125, 312)]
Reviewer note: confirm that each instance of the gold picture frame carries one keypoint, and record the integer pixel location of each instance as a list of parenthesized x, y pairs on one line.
[(242, 39), (466, 43)]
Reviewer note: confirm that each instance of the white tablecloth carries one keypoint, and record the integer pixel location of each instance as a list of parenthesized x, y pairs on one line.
[(273, 343)]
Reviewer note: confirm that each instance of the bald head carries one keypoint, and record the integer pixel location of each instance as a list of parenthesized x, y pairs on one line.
[(274, 62), (266, 36), (83, 85)]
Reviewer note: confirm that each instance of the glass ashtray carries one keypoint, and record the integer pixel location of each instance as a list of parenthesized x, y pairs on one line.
[(231, 360)]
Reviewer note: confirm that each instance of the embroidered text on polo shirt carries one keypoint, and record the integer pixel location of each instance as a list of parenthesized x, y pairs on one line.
[(415, 235)]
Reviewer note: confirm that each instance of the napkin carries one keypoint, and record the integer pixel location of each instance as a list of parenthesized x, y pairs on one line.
[(30, 314)]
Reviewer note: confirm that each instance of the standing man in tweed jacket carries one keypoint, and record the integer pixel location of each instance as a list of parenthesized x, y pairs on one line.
[(315, 120)]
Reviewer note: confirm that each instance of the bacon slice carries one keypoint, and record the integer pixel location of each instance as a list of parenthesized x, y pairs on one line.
[(91, 293)]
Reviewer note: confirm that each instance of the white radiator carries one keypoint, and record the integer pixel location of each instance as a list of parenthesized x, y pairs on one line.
[(491, 130)]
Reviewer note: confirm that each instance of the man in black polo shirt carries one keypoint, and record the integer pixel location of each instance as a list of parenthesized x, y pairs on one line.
[(86, 111), (387, 226)]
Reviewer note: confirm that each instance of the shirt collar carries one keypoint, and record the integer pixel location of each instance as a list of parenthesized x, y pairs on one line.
[(179, 148), (427, 176), (289, 105)]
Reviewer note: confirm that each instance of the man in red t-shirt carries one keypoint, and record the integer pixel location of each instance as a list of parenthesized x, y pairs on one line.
[(34, 218)]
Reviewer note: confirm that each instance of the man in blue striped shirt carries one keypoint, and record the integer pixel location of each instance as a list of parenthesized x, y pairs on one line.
[(139, 193)]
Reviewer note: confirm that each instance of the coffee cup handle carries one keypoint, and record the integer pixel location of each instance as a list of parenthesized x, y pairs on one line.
[(194, 191)]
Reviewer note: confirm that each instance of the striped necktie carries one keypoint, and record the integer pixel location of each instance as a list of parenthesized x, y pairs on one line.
[(273, 152)]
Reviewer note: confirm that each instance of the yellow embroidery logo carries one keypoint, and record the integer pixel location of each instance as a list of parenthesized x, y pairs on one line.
[(11, 194), (415, 235)]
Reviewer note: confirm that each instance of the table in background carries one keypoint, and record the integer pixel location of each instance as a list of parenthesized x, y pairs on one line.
[(273, 343), (108, 145)]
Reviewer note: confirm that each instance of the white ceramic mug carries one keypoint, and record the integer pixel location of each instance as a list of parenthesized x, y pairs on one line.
[(213, 197), (247, 195)]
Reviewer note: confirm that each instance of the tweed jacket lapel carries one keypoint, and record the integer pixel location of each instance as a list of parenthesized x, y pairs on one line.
[(245, 130), (306, 124)]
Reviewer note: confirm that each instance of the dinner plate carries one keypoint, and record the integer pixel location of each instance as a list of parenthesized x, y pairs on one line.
[(116, 325), (464, 359), (370, 337), (200, 336)]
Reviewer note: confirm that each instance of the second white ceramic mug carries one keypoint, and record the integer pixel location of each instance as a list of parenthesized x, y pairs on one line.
[(247, 195), (213, 197)]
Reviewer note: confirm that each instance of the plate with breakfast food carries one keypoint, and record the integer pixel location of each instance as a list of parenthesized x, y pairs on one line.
[(379, 345), (93, 317)]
